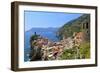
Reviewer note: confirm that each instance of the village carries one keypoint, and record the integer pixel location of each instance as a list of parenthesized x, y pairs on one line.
[(44, 49)]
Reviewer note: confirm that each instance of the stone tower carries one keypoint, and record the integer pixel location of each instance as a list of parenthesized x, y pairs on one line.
[(86, 28)]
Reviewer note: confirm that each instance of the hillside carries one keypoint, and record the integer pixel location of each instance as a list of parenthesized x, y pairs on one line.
[(76, 25)]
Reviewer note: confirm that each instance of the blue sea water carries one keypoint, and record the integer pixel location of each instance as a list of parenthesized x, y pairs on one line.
[(49, 33)]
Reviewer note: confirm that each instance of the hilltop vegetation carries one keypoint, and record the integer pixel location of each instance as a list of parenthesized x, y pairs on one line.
[(72, 26)]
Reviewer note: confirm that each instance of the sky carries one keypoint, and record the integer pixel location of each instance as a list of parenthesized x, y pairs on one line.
[(36, 19)]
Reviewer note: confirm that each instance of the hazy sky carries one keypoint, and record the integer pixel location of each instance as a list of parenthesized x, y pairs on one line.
[(47, 19)]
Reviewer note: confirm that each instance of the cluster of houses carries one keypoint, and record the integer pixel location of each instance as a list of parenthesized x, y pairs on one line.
[(44, 49), (48, 50)]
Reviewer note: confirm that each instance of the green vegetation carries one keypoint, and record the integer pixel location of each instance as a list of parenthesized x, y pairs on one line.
[(68, 54), (73, 26), (81, 52), (33, 37), (85, 50)]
